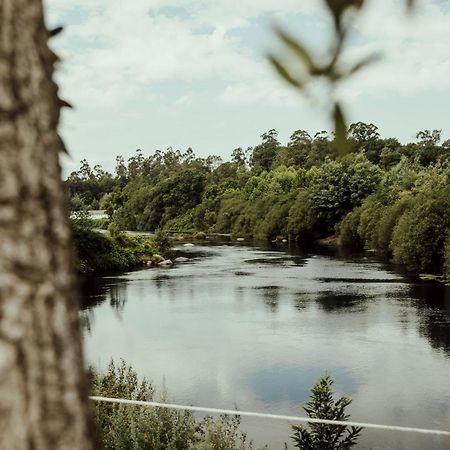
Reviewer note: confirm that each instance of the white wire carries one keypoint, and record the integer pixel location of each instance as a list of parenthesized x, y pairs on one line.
[(269, 416)]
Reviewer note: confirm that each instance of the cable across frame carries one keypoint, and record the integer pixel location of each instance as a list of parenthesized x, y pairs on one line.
[(269, 416)]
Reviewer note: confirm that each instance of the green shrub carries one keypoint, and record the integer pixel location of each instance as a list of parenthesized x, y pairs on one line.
[(301, 221), (102, 223), (370, 216), (419, 237), (222, 433), (181, 224), (389, 218), (103, 253), (145, 428), (231, 205), (348, 230), (132, 427), (248, 218), (162, 241), (275, 220), (322, 405)]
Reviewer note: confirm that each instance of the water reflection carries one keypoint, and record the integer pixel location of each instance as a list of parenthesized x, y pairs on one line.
[(332, 302), (255, 327), (433, 303), (291, 383), (271, 296)]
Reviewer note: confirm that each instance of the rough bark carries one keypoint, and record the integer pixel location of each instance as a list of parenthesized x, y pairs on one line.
[(43, 395)]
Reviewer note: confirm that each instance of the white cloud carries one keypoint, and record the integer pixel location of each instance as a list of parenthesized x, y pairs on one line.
[(414, 49), (118, 57), (115, 50)]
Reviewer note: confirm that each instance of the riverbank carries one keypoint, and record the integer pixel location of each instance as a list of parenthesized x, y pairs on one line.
[(109, 252)]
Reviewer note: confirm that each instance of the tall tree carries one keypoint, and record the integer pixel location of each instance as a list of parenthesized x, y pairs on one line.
[(42, 383)]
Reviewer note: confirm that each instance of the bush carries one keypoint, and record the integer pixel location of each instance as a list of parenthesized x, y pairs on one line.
[(231, 205), (371, 212), (301, 222), (102, 223), (348, 230), (102, 253), (162, 241), (389, 218), (322, 405), (139, 427), (131, 427), (221, 434), (274, 222), (419, 237)]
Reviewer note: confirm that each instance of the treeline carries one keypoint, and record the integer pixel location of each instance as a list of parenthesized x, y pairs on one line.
[(384, 195)]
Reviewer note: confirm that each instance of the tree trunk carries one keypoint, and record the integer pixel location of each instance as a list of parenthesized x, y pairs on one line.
[(43, 393)]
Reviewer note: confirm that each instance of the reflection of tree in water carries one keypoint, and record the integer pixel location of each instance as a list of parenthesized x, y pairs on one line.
[(161, 280), (118, 297), (331, 301), (433, 303), (98, 290), (86, 319), (301, 301), (271, 296)]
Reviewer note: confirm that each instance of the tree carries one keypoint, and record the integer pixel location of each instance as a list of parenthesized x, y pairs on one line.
[(427, 137), (299, 147), (322, 405), (42, 382), (265, 153), (238, 156), (428, 146), (364, 132)]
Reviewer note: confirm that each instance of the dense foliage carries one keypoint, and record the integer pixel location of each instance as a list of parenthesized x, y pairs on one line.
[(113, 251), (138, 428), (383, 195)]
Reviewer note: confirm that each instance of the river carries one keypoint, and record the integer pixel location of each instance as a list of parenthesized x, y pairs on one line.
[(256, 327)]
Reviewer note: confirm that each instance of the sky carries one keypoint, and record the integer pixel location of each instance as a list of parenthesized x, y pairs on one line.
[(150, 74)]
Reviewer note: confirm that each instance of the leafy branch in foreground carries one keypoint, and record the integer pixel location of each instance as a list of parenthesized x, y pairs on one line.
[(332, 68), (322, 405)]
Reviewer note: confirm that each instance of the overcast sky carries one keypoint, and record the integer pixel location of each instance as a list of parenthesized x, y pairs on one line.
[(151, 74)]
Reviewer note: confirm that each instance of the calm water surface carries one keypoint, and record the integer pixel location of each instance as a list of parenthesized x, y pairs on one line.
[(255, 328)]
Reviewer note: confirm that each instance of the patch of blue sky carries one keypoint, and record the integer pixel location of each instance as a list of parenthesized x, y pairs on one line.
[(259, 35), (171, 12), (73, 16), (293, 384), (175, 90), (203, 29), (387, 112)]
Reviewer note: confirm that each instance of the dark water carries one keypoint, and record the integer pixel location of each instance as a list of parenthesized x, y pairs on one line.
[(255, 328)]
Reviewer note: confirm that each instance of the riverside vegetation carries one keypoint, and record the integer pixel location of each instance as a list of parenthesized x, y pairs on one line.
[(135, 427), (382, 195), (113, 251)]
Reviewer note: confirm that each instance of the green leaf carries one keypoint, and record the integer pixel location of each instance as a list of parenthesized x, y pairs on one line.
[(285, 73), (338, 8), (340, 130), (298, 49)]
